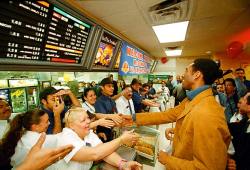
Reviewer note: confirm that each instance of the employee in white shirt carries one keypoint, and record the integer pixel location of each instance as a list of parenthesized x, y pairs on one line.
[(125, 103), (5, 112), (87, 146), (25, 129)]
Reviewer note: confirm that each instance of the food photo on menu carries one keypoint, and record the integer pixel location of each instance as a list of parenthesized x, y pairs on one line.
[(104, 54)]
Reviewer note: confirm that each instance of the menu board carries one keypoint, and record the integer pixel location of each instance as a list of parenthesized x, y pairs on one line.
[(105, 51), (42, 32)]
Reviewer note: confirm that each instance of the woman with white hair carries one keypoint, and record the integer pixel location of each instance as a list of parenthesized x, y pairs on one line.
[(88, 147)]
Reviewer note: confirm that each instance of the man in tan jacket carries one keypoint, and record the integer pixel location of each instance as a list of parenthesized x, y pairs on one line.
[(201, 134)]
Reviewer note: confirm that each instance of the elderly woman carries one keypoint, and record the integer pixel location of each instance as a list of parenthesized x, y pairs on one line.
[(88, 147)]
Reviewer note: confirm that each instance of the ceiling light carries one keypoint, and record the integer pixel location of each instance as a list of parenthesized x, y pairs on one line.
[(171, 32), (170, 53), (173, 51)]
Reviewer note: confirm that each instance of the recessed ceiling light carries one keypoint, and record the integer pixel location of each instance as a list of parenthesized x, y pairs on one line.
[(171, 53), (173, 32)]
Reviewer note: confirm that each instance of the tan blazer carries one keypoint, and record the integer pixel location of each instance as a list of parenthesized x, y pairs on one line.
[(201, 134)]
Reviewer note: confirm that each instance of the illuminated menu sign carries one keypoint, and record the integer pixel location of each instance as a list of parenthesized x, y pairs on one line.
[(105, 51), (40, 31)]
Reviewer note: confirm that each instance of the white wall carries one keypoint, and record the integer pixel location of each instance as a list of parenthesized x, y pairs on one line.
[(174, 66)]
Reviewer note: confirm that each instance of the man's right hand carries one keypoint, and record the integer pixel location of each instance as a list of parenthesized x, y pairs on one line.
[(58, 107)]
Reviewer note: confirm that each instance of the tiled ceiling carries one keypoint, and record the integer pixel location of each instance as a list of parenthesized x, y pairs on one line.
[(212, 23)]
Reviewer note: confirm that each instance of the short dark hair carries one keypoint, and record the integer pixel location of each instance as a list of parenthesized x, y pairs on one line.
[(47, 91), (145, 85), (135, 81), (240, 69), (230, 80), (208, 68)]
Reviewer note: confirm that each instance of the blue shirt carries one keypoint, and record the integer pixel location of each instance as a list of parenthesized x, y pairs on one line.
[(230, 104), (191, 94), (51, 118), (241, 87), (105, 104), (137, 99)]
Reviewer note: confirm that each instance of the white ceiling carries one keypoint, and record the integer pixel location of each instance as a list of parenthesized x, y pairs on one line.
[(212, 23)]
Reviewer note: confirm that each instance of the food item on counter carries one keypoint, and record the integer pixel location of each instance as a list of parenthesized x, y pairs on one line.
[(144, 144), (146, 150)]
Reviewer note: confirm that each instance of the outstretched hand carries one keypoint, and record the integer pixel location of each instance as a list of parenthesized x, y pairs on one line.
[(40, 158)]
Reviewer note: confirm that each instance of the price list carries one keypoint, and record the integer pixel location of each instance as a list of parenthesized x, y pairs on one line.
[(66, 37), (40, 31), (22, 29)]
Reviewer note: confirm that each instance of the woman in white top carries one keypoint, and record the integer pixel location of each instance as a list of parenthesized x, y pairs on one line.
[(88, 147), (89, 98), (25, 129)]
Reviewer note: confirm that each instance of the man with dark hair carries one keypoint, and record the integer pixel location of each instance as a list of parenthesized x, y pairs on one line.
[(152, 92), (241, 135), (230, 98), (138, 100), (201, 135), (53, 105), (106, 105), (240, 76), (146, 88)]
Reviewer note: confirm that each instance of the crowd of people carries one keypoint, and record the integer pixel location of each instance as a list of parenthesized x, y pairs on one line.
[(209, 117)]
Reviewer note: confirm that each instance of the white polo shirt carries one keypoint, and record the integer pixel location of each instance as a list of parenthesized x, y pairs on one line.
[(26, 142), (68, 136), (88, 107), (122, 105)]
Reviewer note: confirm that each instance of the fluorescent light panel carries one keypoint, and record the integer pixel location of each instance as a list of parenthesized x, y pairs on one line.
[(173, 52), (171, 32)]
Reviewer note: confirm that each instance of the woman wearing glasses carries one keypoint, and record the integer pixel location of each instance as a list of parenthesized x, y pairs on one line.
[(88, 147)]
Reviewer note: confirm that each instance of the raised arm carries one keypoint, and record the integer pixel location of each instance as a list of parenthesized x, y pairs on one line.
[(73, 98)]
